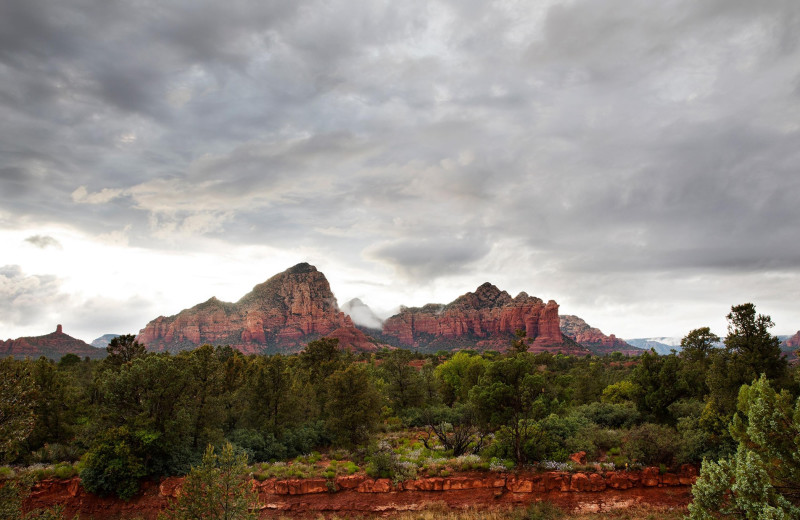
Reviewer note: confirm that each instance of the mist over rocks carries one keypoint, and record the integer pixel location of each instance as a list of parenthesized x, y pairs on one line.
[(362, 315)]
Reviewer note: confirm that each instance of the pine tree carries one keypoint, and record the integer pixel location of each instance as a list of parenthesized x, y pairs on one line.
[(217, 489)]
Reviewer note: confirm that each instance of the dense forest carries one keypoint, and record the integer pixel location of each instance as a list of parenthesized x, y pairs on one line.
[(138, 415)]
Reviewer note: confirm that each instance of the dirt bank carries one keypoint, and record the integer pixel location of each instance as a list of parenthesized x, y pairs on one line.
[(359, 494)]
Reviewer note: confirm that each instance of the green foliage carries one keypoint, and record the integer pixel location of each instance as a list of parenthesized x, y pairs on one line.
[(405, 388), (112, 466), (761, 480), (653, 444), (217, 489), (352, 406), (124, 349), (458, 375), (17, 406)]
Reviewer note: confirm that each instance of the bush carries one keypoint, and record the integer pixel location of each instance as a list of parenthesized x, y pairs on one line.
[(610, 415), (111, 466), (653, 444), (64, 470)]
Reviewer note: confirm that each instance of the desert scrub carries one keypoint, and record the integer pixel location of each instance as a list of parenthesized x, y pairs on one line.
[(6, 472), (282, 470)]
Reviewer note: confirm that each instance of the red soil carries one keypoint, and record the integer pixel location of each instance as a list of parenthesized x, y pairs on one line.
[(359, 494)]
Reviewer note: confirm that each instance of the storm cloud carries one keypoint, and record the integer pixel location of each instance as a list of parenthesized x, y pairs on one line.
[(610, 156)]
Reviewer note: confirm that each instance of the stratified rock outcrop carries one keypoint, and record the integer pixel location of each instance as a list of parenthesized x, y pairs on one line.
[(593, 338), (487, 318), (792, 343), (280, 315), (53, 346)]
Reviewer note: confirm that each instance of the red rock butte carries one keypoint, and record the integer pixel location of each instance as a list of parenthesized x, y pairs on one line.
[(487, 318), (280, 315)]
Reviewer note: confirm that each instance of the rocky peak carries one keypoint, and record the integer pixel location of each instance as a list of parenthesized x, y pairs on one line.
[(279, 315), (53, 346), (487, 318), (485, 296), (593, 338)]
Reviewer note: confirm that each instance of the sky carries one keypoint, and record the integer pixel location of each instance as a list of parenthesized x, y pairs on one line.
[(636, 161)]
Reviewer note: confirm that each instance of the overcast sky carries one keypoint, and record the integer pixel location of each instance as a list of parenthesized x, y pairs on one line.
[(636, 161)]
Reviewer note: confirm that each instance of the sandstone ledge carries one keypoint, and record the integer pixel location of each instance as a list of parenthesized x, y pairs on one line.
[(363, 495)]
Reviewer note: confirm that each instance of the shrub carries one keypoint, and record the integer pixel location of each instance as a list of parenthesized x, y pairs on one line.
[(653, 444), (111, 466)]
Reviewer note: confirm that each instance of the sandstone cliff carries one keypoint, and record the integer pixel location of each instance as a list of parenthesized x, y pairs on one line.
[(593, 338), (53, 346), (280, 315), (487, 318), (792, 343)]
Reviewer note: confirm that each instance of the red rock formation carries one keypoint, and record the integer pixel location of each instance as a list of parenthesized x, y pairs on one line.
[(593, 338), (280, 315), (53, 346), (487, 318), (359, 494), (793, 342)]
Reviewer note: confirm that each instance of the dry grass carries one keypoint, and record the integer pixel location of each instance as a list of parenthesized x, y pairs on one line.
[(442, 512)]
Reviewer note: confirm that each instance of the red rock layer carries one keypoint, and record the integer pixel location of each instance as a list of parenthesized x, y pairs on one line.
[(279, 315), (593, 338), (358, 494), (53, 346), (488, 318), (793, 342)]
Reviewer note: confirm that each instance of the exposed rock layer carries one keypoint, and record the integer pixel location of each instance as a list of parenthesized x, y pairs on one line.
[(793, 342), (280, 315), (487, 318), (53, 346), (593, 338), (358, 494)]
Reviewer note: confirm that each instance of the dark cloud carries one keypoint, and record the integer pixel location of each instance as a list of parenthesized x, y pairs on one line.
[(43, 241), (627, 137)]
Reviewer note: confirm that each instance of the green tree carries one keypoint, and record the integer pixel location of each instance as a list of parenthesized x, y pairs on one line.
[(17, 402), (698, 348), (405, 386), (659, 385), (123, 349), (762, 479), (750, 350), (458, 375), (508, 396), (217, 489), (353, 407)]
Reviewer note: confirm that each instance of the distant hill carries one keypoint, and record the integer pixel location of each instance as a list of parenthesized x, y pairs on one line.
[(104, 340), (656, 344), (593, 338), (53, 346)]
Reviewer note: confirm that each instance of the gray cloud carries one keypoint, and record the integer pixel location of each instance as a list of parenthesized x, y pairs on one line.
[(627, 138), (43, 241), (25, 299)]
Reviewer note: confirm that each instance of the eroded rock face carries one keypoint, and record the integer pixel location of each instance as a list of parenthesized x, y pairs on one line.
[(793, 342), (53, 346), (359, 494), (280, 315), (593, 338), (486, 318)]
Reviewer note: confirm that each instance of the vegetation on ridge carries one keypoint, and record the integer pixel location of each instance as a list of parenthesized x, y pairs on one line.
[(400, 414)]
